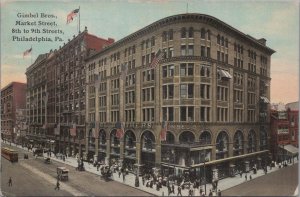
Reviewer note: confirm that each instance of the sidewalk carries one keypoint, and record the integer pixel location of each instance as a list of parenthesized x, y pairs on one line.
[(130, 178)]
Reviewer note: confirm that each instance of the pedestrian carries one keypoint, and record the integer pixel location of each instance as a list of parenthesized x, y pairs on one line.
[(169, 190), (124, 176), (9, 182), (246, 177), (241, 174), (250, 177), (173, 189), (179, 191), (210, 193), (121, 173), (190, 191), (143, 180), (57, 185), (219, 193)]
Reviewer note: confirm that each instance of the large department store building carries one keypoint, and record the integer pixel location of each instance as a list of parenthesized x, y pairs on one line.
[(56, 95), (212, 87)]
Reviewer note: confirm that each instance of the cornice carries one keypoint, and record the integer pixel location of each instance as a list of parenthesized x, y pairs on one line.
[(189, 17)]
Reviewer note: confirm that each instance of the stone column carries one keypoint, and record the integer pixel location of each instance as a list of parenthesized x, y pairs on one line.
[(107, 158)]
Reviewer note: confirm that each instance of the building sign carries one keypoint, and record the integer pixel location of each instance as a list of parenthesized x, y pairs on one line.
[(282, 131)]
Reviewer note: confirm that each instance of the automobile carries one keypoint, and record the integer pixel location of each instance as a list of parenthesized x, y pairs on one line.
[(62, 173)]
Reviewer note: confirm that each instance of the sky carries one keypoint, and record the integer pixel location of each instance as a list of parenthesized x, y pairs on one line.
[(276, 21)]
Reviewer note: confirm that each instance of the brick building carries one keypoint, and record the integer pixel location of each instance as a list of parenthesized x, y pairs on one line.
[(284, 132), (212, 87), (13, 98), (56, 94)]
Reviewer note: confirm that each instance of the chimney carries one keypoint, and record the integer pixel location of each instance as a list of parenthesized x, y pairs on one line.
[(262, 41)]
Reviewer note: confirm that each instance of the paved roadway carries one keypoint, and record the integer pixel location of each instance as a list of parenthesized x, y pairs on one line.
[(280, 183), (33, 177)]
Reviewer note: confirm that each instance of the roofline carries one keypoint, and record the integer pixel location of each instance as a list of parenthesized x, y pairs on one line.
[(11, 84), (182, 17)]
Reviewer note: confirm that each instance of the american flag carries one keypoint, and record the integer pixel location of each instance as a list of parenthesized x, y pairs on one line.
[(71, 15), (120, 130), (124, 70), (163, 133), (156, 59), (27, 52)]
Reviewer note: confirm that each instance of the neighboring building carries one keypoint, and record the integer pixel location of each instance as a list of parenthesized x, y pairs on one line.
[(13, 98), (212, 88), (21, 126), (57, 80), (284, 132)]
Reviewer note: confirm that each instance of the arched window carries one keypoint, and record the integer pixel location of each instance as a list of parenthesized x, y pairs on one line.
[(102, 137), (251, 141), (205, 138), (183, 32), (164, 36), (222, 145), (226, 42), (202, 33), (263, 139), (148, 141), (191, 32), (186, 137), (171, 34), (130, 139), (238, 143), (208, 34)]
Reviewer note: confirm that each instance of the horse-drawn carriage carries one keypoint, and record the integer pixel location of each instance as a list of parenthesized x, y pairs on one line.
[(105, 171)]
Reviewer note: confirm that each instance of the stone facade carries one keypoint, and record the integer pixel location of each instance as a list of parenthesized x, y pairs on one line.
[(212, 87)]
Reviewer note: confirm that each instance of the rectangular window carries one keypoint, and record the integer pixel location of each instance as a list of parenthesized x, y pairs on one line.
[(183, 50), (218, 56), (191, 50), (208, 51), (202, 51)]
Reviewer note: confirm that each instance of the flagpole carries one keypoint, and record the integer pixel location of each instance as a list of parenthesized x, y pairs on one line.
[(31, 55), (79, 20)]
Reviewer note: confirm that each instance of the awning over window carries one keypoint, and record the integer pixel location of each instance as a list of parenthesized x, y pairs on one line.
[(224, 74), (290, 148), (264, 99)]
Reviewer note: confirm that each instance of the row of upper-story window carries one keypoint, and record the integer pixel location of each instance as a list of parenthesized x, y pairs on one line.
[(185, 69), (187, 113), (185, 33), (186, 91)]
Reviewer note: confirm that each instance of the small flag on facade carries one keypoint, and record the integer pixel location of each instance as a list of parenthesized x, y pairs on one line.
[(27, 52), (120, 130), (71, 15), (163, 133), (158, 56), (124, 70)]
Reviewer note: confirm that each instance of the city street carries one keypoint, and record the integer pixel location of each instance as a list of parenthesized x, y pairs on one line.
[(33, 177), (280, 183)]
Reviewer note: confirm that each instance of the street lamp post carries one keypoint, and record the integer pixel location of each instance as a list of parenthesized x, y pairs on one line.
[(204, 177)]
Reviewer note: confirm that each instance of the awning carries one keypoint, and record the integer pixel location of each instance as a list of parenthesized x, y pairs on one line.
[(264, 99), (224, 74), (290, 148)]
